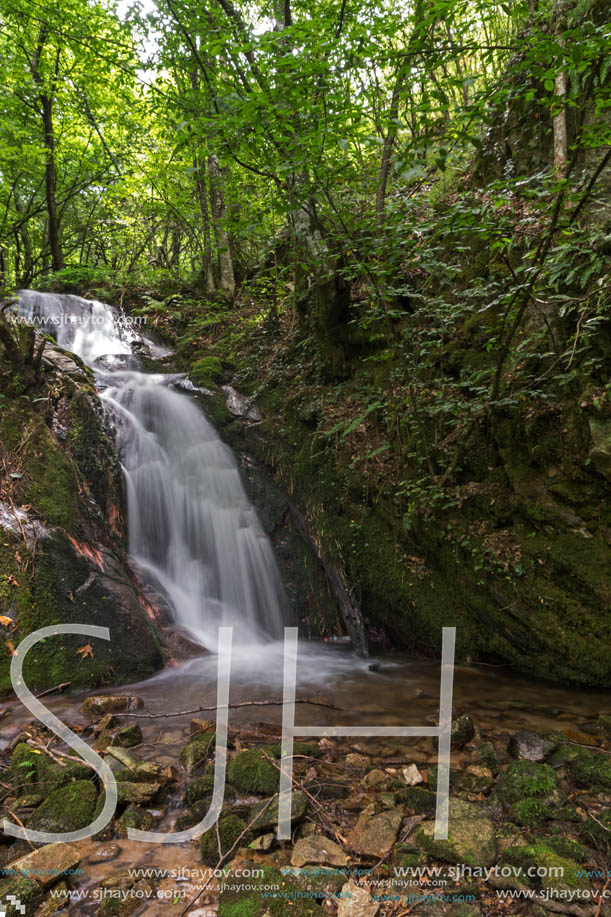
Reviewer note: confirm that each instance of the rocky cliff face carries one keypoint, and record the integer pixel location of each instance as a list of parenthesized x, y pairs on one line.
[(62, 524)]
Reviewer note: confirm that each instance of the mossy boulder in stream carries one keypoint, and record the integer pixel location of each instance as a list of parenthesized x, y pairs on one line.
[(69, 808), (250, 772), (33, 771)]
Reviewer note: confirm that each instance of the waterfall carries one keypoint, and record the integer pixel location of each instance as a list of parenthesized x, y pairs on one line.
[(192, 530)]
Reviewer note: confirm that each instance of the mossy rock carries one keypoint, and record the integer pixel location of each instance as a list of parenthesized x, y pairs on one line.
[(264, 815), (200, 788), (37, 772), (587, 768), (197, 751), (250, 772), (230, 827), (542, 857), (135, 817), (417, 799), (27, 891), (68, 808), (525, 779), (128, 737), (471, 836), (249, 902)]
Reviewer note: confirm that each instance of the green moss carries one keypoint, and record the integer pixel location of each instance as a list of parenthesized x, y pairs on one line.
[(417, 799), (249, 901), (197, 751), (567, 847), (33, 770), (25, 890), (525, 779), (587, 768), (532, 813), (134, 817), (199, 789), (67, 809), (250, 772), (230, 827), (206, 370)]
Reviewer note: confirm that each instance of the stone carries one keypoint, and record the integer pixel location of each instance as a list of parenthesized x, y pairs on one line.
[(374, 835), (268, 817), (531, 746), (250, 772), (128, 736), (105, 853), (412, 775), (139, 793), (318, 849), (48, 863), (200, 788), (477, 779), (319, 881), (24, 890), (471, 836), (358, 761), (463, 730), (377, 779), (197, 751), (603, 724), (36, 772), (244, 895), (96, 706), (485, 755), (139, 770), (108, 721), (134, 817), (356, 901), (226, 831), (263, 843), (587, 768), (68, 808)]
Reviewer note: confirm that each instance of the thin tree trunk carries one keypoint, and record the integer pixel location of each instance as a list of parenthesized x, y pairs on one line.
[(24, 277), (46, 103), (388, 145), (217, 206), (559, 120)]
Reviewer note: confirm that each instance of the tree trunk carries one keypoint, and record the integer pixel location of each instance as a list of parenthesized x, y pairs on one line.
[(202, 196), (24, 276), (389, 141), (46, 109), (217, 206), (559, 120)]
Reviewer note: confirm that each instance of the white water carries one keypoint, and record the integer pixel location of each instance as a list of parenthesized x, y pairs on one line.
[(192, 529)]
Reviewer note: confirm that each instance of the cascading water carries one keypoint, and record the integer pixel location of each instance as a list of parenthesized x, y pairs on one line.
[(192, 529)]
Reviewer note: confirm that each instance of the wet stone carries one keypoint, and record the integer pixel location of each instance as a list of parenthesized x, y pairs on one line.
[(97, 706), (318, 849), (104, 854)]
